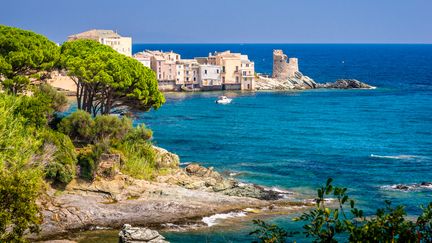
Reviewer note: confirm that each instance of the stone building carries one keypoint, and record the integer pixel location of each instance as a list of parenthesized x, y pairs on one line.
[(284, 67), (110, 38)]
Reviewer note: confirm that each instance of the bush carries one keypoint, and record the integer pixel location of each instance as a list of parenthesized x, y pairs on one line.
[(111, 128), (59, 157), (21, 179), (78, 126), (268, 233), (39, 108), (87, 161), (388, 225), (57, 101), (139, 161), (138, 134), (19, 189)]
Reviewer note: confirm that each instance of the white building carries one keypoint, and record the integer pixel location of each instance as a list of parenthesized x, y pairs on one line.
[(110, 38), (210, 77)]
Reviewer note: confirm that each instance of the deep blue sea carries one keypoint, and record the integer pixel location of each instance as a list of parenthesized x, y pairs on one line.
[(364, 139)]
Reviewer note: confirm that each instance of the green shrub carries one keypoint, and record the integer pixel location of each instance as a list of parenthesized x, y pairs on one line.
[(21, 179), (268, 233), (324, 223), (39, 108), (57, 101), (87, 161), (59, 155), (139, 159), (112, 128), (78, 126), (139, 133), (19, 190)]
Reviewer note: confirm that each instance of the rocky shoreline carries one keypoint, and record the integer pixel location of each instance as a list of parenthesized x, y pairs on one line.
[(301, 82), (184, 196)]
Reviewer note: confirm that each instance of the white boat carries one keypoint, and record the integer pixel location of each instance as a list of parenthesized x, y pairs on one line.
[(223, 100)]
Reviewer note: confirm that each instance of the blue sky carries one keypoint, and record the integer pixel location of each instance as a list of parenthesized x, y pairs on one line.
[(229, 21)]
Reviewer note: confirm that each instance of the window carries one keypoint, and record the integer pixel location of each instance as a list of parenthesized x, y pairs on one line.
[(217, 70), (205, 71), (236, 68), (247, 65), (187, 79), (187, 72), (194, 79), (245, 79), (237, 79), (178, 73), (223, 68)]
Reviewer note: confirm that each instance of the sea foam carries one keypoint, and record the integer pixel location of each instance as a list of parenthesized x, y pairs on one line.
[(213, 220)]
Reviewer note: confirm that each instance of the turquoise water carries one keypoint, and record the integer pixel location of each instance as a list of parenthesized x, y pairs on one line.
[(364, 139), (367, 140)]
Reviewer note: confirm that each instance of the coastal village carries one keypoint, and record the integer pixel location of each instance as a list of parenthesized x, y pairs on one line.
[(218, 71)]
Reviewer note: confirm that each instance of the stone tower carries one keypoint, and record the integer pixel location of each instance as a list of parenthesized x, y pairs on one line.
[(284, 68)]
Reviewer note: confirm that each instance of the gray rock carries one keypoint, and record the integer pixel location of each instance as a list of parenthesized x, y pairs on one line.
[(130, 234), (253, 191), (346, 84)]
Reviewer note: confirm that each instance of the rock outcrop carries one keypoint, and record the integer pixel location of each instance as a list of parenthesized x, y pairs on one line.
[(345, 84), (301, 82), (296, 82), (198, 177), (166, 159), (129, 234)]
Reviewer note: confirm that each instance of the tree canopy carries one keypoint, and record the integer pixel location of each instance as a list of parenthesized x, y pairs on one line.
[(24, 54), (107, 80)]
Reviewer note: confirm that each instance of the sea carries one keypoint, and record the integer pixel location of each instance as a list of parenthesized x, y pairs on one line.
[(366, 140)]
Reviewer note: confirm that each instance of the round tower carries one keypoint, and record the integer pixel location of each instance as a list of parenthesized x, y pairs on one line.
[(279, 64)]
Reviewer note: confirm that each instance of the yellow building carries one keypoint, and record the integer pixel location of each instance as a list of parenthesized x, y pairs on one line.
[(237, 70), (110, 38)]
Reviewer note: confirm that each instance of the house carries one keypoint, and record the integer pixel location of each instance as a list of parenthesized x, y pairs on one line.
[(238, 72), (110, 38), (143, 58)]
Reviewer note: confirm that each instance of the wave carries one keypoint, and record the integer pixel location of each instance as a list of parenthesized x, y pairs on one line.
[(409, 187), (402, 156), (213, 220)]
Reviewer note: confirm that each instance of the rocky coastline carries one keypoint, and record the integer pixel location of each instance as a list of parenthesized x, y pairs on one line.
[(302, 82), (183, 196)]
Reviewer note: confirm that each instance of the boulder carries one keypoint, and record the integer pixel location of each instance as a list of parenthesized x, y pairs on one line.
[(165, 159), (253, 191), (346, 84), (129, 234)]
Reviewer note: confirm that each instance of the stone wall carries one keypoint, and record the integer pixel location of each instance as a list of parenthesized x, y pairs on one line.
[(284, 67)]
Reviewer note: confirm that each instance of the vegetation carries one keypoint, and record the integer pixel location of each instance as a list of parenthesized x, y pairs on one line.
[(39, 108), (110, 134), (24, 55), (107, 80), (21, 177), (328, 224), (33, 147), (268, 233)]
